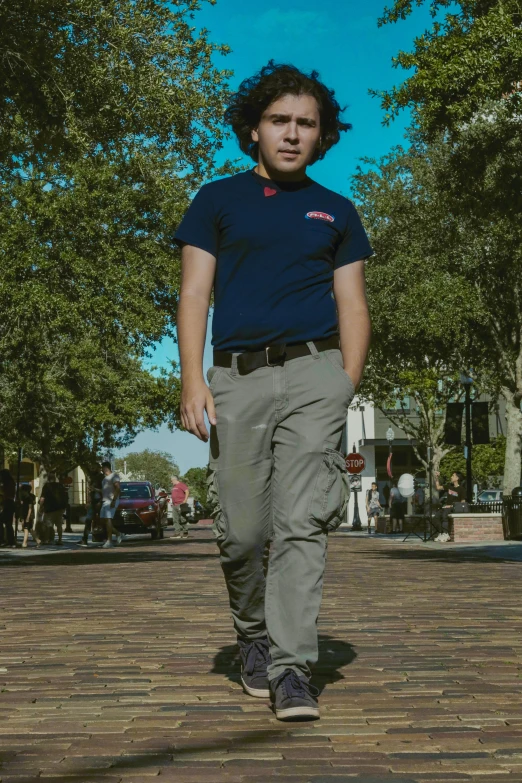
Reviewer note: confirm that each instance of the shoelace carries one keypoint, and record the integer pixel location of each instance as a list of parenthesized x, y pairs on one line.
[(295, 687), (255, 655)]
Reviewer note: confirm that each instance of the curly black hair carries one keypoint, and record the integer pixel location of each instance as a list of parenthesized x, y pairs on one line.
[(272, 82)]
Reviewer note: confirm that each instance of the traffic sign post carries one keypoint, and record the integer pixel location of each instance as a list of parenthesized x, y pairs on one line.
[(355, 464)]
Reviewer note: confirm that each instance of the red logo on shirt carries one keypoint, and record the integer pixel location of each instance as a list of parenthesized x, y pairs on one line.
[(320, 216)]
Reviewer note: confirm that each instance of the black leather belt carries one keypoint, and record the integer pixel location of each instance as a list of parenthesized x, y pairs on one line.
[(272, 355)]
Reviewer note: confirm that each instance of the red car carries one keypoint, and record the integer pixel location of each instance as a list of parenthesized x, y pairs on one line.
[(138, 512)]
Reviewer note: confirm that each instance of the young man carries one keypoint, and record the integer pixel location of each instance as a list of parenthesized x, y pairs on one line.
[(110, 502), (290, 334), (180, 494), (373, 506)]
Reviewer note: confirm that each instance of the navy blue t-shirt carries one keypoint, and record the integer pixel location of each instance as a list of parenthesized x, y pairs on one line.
[(276, 245)]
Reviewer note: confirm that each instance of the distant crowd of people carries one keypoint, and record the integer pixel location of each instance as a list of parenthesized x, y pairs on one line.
[(390, 499), (38, 520), (43, 520)]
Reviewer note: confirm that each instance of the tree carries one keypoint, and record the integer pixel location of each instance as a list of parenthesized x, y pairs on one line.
[(92, 74), (154, 466), (110, 119), (472, 54), (465, 88), (419, 307), (488, 463), (196, 480)]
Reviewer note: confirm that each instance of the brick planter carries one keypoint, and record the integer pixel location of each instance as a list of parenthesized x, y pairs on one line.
[(473, 528)]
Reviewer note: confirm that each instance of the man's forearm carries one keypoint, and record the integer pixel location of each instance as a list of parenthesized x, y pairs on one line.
[(192, 330), (355, 331)]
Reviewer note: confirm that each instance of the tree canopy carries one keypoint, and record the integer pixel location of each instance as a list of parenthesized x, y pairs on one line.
[(421, 307), (472, 53), (111, 117), (464, 90), (154, 466), (89, 75), (196, 480)]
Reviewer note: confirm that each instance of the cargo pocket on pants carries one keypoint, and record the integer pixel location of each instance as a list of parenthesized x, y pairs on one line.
[(329, 501), (219, 526)]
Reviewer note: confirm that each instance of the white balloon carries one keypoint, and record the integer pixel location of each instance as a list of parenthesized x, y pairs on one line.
[(406, 485)]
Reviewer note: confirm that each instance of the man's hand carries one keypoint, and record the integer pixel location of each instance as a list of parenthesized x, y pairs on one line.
[(195, 399)]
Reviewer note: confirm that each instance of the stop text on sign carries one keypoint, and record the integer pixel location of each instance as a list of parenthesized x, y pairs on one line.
[(355, 463)]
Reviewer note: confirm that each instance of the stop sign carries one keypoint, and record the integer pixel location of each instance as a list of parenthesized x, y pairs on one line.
[(355, 463)]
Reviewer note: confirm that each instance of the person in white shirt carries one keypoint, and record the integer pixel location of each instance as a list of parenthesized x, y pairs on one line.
[(110, 502)]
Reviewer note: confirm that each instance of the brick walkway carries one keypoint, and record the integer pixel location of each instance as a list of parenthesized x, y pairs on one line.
[(119, 665)]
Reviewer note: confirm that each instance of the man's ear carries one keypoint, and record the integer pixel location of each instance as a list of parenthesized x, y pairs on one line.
[(255, 135)]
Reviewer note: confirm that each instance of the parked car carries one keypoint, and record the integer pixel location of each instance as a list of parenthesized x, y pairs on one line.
[(490, 496), (139, 511)]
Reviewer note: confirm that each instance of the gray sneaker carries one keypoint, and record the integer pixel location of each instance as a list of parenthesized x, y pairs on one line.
[(293, 698), (108, 544), (255, 657), (120, 538)]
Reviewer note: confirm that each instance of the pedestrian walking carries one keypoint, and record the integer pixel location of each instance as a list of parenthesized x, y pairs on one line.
[(290, 336), (8, 509), (397, 509), (180, 494), (95, 502), (27, 515), (110, 502), (373, 506), (53, 502)]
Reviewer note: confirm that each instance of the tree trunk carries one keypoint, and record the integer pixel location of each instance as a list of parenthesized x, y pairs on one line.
[(512, 464)]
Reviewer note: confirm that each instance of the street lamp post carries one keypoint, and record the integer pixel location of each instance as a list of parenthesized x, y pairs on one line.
[(467, 382), (356, 521), (390, 437)]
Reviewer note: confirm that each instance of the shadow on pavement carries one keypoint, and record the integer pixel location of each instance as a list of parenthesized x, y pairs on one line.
[(130, 552), (334, 654), (176, 755), (511, 554)]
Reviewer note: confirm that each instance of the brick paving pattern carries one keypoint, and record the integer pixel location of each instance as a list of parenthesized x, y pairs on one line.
[(119, 666)]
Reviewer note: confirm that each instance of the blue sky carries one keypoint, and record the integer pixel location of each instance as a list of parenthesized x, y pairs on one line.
[(341, 40)]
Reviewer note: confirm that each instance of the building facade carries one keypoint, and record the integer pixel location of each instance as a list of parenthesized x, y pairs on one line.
[(366, 432)]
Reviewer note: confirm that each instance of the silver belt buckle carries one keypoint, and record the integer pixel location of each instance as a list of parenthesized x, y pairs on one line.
[(280, 356)]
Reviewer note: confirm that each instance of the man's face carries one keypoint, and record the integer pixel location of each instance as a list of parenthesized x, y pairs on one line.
[(106, 470), (374, 486), (454, 478), (288, 134), (174, 481)]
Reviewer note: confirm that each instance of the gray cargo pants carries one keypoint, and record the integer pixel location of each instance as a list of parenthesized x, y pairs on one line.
[(277, 478)]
